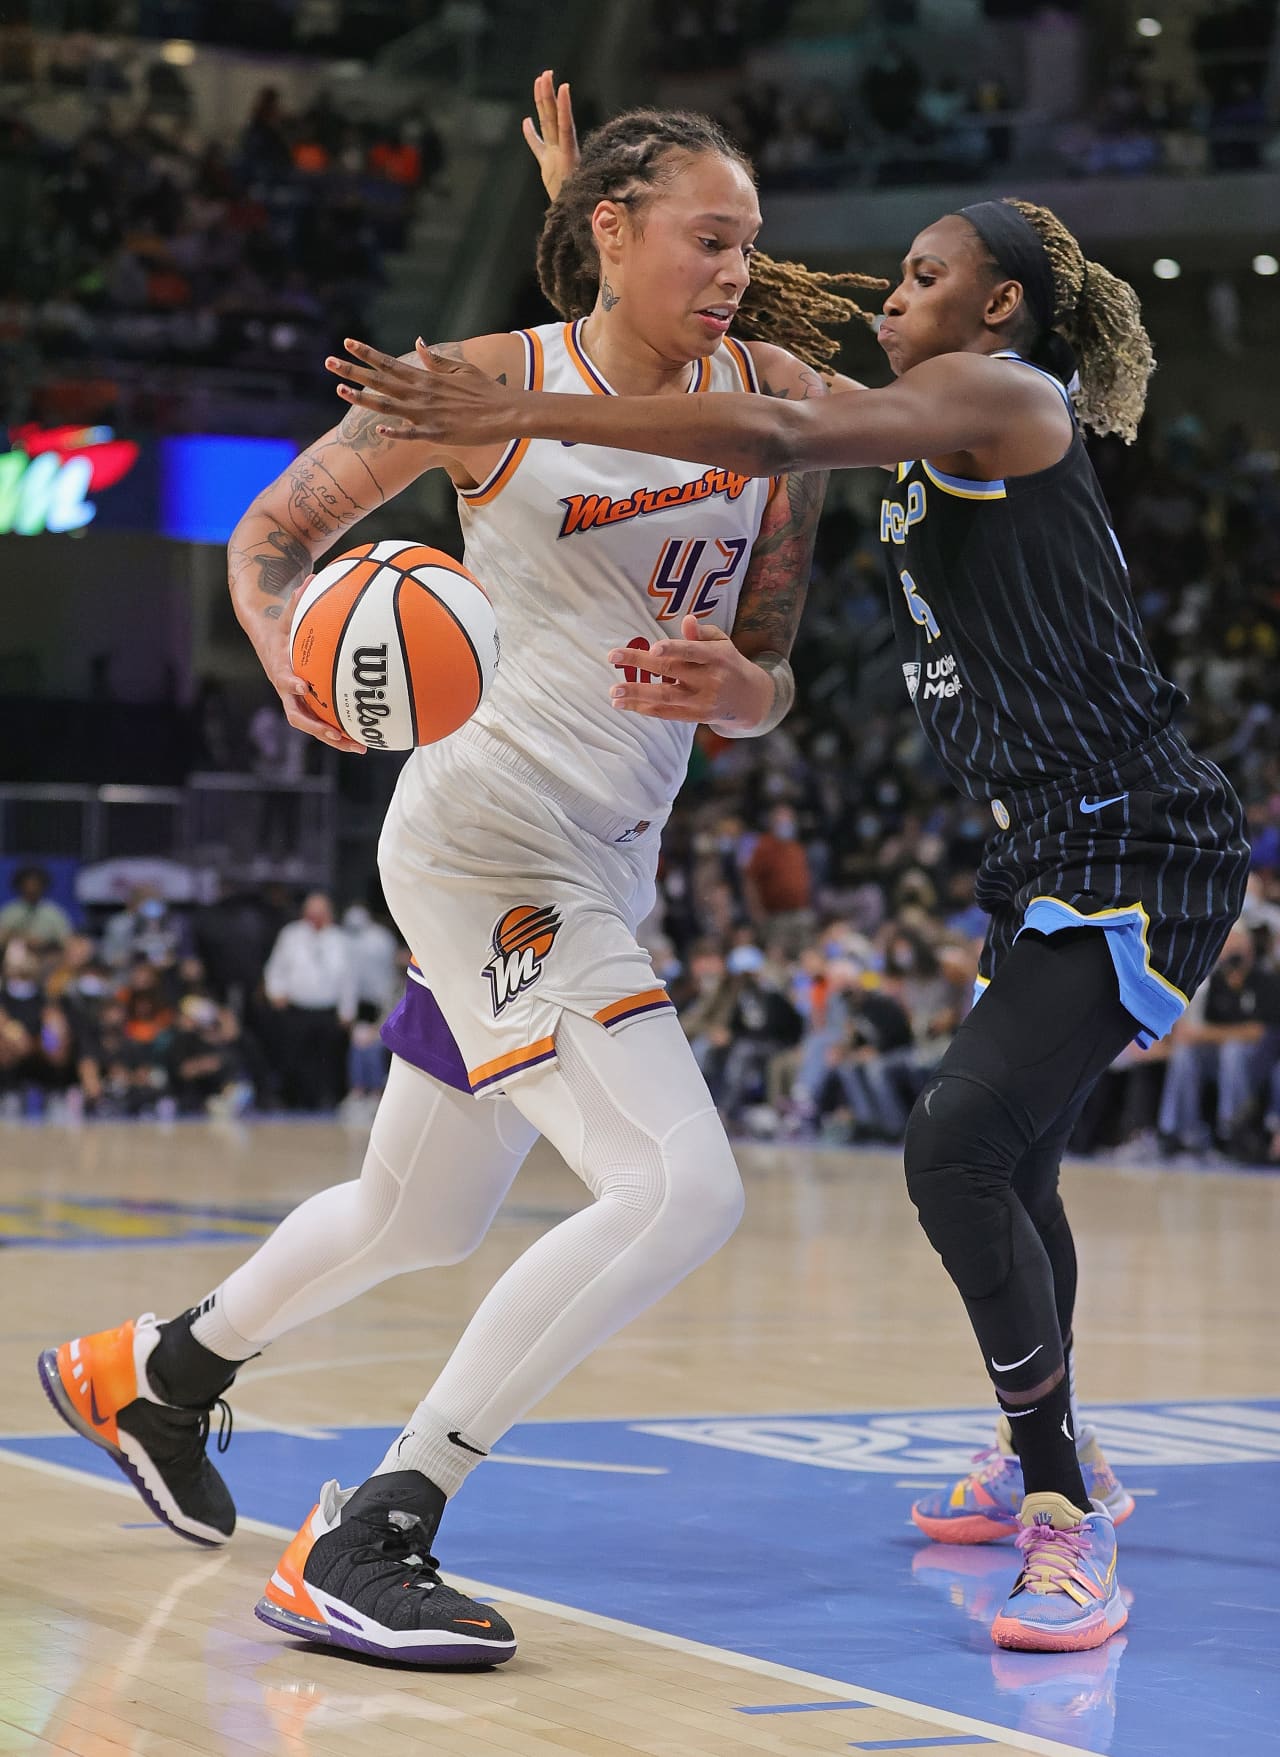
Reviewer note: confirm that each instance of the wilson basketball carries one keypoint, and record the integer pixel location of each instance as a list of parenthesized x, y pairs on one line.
[(396, 644)]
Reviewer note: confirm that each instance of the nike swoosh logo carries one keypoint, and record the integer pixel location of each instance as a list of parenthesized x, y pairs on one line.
[(1000, 1366), (1092, 805), (474, 1622), (456, 1439), (1066, 1431), (99, 1421)]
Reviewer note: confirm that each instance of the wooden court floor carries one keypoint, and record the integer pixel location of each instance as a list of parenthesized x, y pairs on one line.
[(117, 1638)]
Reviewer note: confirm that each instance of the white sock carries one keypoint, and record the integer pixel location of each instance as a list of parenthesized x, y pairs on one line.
[(428, 1444), (212, 1331)]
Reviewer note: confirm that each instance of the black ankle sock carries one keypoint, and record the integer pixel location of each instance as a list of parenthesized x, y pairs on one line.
[(183, 1371), (1046, 1445)]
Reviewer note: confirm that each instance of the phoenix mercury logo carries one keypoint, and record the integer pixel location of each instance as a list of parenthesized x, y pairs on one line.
[(587, 512), (521, 941)]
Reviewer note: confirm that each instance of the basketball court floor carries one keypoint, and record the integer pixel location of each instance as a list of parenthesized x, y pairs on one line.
[(702, 1537)]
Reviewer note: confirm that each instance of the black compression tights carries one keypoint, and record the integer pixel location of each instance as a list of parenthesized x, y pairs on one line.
[(986, 1136)]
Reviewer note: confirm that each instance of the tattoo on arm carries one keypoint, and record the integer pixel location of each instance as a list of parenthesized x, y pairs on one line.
[(608, 298), (280, 560), (319, 505), (773, 592), (812, 384)]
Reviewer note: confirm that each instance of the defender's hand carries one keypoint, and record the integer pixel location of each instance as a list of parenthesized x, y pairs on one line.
[(441, 399)]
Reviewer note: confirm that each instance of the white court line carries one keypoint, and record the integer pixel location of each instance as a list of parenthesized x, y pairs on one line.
[(1029, 1744), (264, 1424), (579, 1464), (1090, 1405)]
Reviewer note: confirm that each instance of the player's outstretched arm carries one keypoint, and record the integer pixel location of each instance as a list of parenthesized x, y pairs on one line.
[(953, 403), (347, 473)]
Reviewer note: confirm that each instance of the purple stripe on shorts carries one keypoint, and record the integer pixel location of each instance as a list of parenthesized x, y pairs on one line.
[(417, 1033), (509, 1073), (639, 1012)]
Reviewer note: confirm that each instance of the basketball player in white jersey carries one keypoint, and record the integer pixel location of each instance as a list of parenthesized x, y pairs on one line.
[(518, 858)]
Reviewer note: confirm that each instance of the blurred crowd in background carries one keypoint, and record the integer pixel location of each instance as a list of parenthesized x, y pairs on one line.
[(816, 922), (900, 120), (137, 238), (256, 1000)]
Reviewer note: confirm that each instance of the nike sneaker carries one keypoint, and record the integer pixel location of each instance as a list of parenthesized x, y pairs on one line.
[(983, 1506), (1066, 1597), (358, 1575), (99, 1386)]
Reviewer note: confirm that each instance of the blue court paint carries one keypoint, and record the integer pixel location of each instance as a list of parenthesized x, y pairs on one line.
[(785, 1538), (802, 1707)]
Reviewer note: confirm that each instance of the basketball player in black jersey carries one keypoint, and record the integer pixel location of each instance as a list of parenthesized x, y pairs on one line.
[(1118, 859)]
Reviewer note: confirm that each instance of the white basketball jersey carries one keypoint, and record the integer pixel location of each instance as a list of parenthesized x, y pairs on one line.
[(583, 549)]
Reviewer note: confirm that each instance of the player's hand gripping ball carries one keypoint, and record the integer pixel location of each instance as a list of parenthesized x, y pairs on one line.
[(396, 643)]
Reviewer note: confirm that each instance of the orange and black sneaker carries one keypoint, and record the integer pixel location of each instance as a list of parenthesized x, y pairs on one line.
[(358, 1575), (99, 1386)]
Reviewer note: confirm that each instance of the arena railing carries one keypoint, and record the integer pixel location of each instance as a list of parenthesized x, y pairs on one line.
[(243, 827)]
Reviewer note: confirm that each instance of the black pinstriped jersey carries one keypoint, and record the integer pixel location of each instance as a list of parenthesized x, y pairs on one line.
[(1016, 624)]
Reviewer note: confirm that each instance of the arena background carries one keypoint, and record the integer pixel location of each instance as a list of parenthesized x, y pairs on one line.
[(197, 202)]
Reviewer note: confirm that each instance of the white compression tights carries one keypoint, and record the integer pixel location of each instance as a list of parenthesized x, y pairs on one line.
[(629, 1113)]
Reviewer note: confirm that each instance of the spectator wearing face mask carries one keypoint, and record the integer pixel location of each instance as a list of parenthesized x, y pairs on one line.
[(1219, 1039), (708, 1011), (81, 985), (777, 880), (35, 1038), (879, 1025), (145, 929), (762, 1023), (206, 1065)]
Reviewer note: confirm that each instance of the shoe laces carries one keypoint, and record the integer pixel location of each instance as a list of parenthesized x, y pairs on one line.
[(991, 1462), (226, 1424), (1051, 1557), (398, 1540)]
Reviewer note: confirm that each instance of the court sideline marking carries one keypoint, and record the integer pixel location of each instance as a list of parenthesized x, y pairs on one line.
[(1029, 1743)]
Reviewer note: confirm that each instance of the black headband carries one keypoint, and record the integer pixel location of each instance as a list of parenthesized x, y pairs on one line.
[(1019, 250)]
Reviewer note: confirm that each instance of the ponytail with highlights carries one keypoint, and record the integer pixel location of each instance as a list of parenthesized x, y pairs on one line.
[(1099, 320)]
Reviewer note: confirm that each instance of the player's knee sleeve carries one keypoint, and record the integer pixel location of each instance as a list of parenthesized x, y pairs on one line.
[(632, 1115), (437, 1167), (960, 1150), (704, 1198)]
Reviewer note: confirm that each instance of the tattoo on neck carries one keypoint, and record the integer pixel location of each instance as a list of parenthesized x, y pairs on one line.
[(608, 298)]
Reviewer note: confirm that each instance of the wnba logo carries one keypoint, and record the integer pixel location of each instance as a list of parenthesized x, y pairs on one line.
[(521, 940)]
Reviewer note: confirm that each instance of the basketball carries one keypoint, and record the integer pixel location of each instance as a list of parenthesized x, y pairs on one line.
[(396, 643)]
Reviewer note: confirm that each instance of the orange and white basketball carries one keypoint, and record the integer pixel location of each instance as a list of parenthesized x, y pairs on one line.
[(396, 643)]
